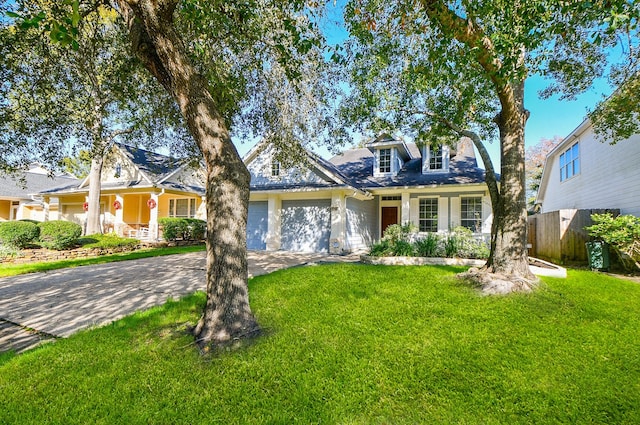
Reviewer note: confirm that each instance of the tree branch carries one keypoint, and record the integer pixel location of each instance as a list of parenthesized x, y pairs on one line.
[(468, 32), (491, 178)]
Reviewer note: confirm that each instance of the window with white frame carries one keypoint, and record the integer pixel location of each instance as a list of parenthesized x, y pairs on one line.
[(436, 161), (570, 162), (471, 213), (428, 218), (182, 208), (384, 163), (275, 168)]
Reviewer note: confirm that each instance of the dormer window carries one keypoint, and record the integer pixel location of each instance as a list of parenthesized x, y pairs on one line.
[(275, 169), (385, 161), (389, 156), (435, 158)]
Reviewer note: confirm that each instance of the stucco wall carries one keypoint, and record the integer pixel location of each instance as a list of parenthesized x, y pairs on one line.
[(5, 210)]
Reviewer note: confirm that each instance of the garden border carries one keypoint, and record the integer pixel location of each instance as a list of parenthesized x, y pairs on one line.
[(544, 268)]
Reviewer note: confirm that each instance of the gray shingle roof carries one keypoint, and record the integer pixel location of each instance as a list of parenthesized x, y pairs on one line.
[(157, 167), (32, 184), (357, 165), (154, 165)]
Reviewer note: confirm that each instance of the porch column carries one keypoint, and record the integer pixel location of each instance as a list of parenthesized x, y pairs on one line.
[(274, 223), (153, 217), (19, 212), (45, 207), (119, 220), (338, 221), (405, 208)]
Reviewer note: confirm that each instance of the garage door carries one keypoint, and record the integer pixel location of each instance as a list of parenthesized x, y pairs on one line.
[(306, 225), (257, 226)]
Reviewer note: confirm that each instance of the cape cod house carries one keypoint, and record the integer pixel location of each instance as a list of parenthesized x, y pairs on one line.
[(346, 203)]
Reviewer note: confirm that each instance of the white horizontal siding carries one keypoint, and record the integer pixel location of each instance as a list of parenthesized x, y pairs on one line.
[(260, 169), (362, 224), (609, 177)]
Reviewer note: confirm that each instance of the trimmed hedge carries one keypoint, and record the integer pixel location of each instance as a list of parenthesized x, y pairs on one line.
[(186, 229), (59, 234), (18, 234), (107, 241)]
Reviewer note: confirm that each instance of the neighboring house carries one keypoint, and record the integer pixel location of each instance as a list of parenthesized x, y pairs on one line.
[(138, 188), (583, 172), (20, 199), (345, 204)]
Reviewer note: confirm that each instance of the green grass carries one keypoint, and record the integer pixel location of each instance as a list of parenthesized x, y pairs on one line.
[(16, 269), (353, 344)]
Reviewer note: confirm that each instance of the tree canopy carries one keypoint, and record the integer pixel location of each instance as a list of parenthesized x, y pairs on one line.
[(437, 70), (59, 100)]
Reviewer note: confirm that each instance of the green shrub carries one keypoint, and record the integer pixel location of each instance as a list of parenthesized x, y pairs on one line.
[(403, 240), (427, 246), (381, 249), (197, 229), (468, 246), (399, 232), (109, 240), (18, 234), (451, 245), (7, 251), (187, 229), (622, 233), (59, 234), (404, 249)]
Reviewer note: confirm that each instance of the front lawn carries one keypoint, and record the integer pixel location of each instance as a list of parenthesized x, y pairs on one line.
[(353, 344), (43, 266)]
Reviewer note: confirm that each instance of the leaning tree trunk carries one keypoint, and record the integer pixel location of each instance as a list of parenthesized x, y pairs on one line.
[(227, 317)]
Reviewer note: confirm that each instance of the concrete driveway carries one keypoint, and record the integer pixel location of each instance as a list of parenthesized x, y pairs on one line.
[(41, 306)]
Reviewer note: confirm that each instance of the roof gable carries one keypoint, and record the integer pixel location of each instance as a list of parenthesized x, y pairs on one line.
[(266, 173)]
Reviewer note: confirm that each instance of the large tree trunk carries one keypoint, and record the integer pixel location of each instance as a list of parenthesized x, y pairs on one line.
[(507, 269), (93, 211), (509, 230), (227, 317)]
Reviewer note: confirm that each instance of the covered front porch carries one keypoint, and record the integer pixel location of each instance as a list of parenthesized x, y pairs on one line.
[(134, 214)]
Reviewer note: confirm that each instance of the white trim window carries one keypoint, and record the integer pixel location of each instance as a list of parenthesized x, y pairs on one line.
[(384, 161), (471, 213), (570, 162), (436, 157), (428, 215), (275, 168), (182, 207)]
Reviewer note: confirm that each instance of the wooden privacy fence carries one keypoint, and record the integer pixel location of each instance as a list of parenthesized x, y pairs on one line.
[(559, 236)]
